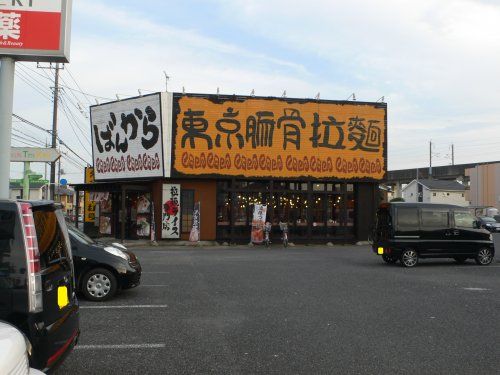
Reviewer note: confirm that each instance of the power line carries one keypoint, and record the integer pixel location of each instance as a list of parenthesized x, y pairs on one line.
[(45, 95), (77, 85), (27, 136), (61, 142), (73, 129)]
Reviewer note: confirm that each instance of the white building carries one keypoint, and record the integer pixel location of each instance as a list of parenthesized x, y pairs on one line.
[(484, 185), (435, 191)]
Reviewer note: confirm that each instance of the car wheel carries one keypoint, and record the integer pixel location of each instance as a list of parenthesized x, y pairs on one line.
[(484, 256), (409, 258), (389, 259), (99, 284), (460, 260)]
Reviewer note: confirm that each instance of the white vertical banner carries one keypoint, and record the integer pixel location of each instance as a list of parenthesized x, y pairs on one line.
[(171, 211), (194, 236), (258, 222)]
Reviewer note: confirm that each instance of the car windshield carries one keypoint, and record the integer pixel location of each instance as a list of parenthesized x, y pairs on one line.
[(80, 236), (488, 220)]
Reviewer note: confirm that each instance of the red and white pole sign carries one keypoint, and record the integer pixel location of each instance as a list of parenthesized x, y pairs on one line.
[(35, 30)]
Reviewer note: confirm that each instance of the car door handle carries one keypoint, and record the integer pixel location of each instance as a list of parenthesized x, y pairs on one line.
[(456, 232), (447, 233)]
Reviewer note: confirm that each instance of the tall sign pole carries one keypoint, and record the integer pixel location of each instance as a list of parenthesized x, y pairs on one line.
[(54, 134), (6, 101), (29, 31)]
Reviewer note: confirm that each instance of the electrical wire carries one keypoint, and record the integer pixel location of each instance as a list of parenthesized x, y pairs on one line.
[(74, 131), (77, 85)]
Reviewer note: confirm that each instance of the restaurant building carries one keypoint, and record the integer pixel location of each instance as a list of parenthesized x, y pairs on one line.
[(316, 164)]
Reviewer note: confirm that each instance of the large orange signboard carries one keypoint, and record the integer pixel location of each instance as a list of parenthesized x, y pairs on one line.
[(285, 138)]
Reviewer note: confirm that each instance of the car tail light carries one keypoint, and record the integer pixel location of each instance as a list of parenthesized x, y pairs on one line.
[(32, 258)]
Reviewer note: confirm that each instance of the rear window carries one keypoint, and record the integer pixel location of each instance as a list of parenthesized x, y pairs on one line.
[(12, 259), (51, 238), (407, 217), (435, 218), (464, 219)]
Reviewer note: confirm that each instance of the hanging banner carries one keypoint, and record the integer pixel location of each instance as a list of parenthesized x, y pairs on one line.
[(153, 224), (194, 236), (258, 222), (170, 223)]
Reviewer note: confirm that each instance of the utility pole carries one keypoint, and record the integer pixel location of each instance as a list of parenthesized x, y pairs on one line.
[(7, 69), (430, 159), (452, 154), (54, 133)]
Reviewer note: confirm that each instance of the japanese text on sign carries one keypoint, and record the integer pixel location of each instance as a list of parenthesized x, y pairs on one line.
[(127, 138), (171, 211), (263, 137)]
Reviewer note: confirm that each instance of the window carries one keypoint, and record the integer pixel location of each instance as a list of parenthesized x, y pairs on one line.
[(464, 219), (333, 187), (407, 217), (51, 239), (318, 187), (187, 206), (435, 219)]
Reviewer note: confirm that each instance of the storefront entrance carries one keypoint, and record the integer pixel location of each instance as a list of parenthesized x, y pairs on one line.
[(315, 211), (121, 211)]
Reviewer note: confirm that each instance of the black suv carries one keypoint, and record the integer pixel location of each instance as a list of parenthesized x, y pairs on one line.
[(37, 287), (409, 231)]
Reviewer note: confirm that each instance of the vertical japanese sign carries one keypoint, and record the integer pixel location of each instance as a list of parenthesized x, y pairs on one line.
[(35, 30), (194, 236), (265, 137), (89, 206), (258, 222), (170, 223), (132, 138)]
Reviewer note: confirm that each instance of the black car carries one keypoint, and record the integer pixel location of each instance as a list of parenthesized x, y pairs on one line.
[(409, 231), (102, 269), (489, 224), (37, 285)]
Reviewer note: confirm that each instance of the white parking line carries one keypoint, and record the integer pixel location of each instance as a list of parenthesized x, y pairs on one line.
[(121, 346), (149, 285), (476, 289), (160, 272), (123, 306)]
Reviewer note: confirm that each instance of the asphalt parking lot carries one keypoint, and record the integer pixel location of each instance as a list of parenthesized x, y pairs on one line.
[(303, 310)]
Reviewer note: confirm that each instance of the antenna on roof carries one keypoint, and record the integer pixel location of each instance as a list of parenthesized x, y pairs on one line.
[(317, 96), (353, 96), (284, 94)]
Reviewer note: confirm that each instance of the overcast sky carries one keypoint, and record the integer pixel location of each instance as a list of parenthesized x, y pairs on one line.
[(436, 63)]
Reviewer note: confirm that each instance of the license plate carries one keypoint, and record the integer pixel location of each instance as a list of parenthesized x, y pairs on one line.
[(62, 296)]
